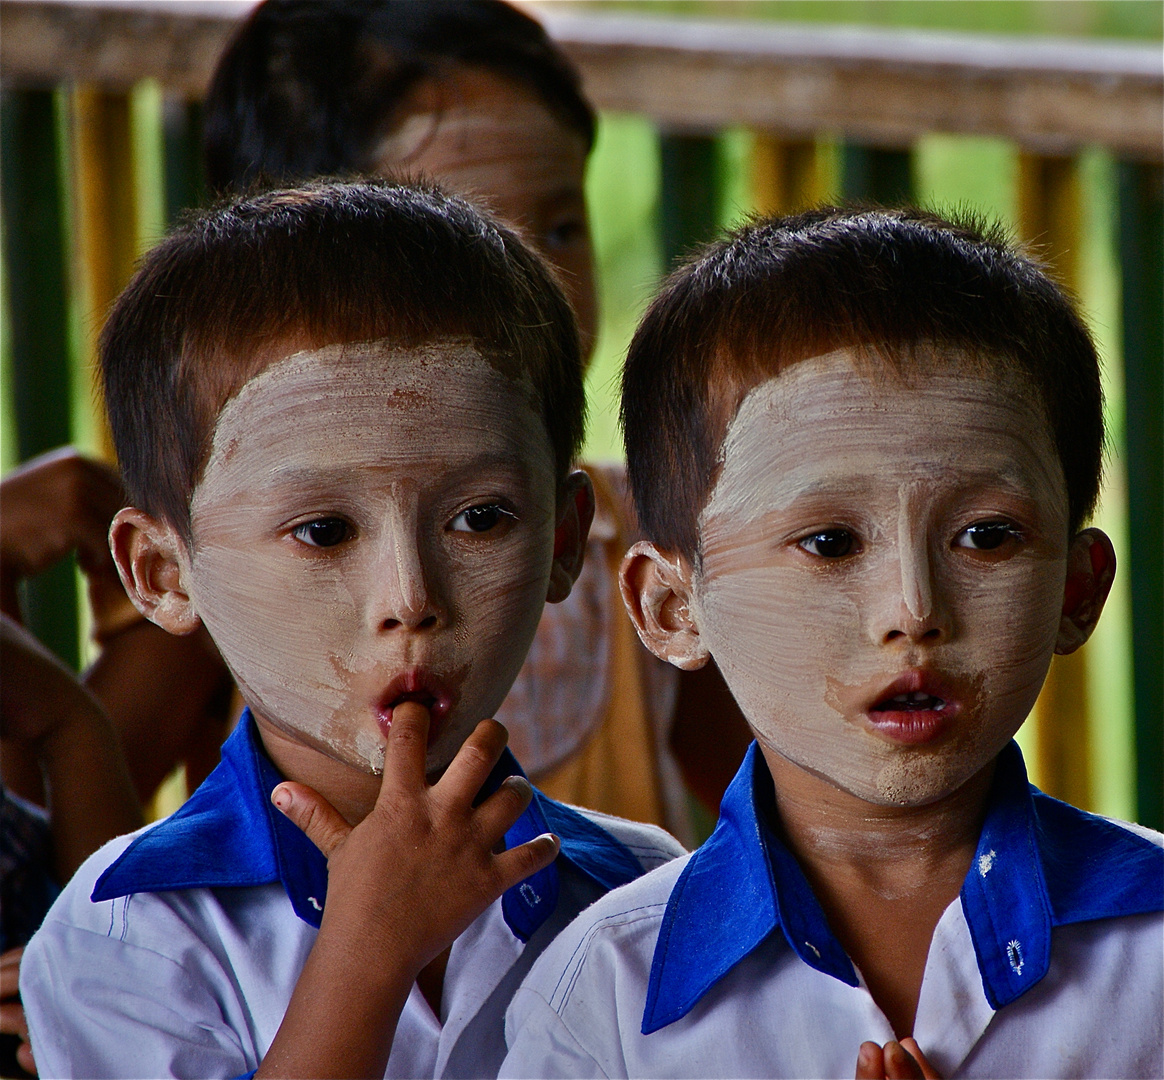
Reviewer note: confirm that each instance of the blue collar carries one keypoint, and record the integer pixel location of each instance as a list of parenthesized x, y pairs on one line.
[(1040, 863), (228, 834)]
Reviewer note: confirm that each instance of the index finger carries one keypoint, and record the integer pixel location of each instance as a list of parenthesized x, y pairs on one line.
[(900, 1064), (909, 1044), (406, 749)]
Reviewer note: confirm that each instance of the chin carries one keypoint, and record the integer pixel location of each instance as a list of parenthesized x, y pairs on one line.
[(921, 781)]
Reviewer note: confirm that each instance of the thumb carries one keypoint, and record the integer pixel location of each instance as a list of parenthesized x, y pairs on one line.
[(322, 823)]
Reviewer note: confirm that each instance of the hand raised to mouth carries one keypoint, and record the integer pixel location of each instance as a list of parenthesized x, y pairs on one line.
[(402, 885)]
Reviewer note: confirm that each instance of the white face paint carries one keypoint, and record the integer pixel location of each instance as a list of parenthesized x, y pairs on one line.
[(375, 524), (485, 136), (883, 571)]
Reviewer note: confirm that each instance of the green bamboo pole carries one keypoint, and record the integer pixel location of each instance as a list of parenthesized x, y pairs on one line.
[(871, 174), (1141, 218), (34, 214), (690, 195)]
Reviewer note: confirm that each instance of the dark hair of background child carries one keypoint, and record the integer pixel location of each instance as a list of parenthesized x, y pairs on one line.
[(884, 282), (243, 284), (309, 89)]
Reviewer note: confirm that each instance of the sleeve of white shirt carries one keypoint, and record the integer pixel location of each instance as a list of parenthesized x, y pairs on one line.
[(126, 988), (98, 1007)]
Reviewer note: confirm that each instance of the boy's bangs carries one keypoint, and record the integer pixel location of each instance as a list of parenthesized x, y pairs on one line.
[(892, 286), (255, 280)]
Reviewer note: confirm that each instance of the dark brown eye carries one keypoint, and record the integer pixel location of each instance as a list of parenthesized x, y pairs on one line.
[(986, 535), (480, 519), (829, 543), (323, 532), (564, 234)]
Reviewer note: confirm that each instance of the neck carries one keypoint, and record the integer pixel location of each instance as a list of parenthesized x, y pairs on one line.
[(894, 845), (882, 874), (350, 790)]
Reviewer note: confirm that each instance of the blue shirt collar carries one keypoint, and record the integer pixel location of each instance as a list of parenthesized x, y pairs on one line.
[(1039, 864), (228, 834)]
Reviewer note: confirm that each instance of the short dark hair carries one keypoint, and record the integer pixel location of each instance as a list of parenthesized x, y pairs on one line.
[(309, 88), (244, 284), (886, 282)]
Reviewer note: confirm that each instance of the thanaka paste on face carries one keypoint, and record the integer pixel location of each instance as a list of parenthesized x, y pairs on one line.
[(488, 137), (808, 644), (398, 443)]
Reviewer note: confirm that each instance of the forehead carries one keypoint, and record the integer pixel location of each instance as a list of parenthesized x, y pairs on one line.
[(835, 424), (372, 402), (473, 129)]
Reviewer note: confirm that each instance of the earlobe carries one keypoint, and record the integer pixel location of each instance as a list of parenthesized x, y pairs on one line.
[(575, 516), (149, 557), (656, 589), (1091, 565)]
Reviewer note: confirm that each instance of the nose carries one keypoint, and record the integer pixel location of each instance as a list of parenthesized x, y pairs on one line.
[(403, 597), (914, 608)]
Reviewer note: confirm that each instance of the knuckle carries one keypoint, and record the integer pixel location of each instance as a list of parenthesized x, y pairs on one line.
[(406, 732), (473, 754)]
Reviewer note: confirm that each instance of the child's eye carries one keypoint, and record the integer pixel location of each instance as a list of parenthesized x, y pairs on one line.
[(829, 543), (564, 234), (323, 532), (987, 535), (480, 519)]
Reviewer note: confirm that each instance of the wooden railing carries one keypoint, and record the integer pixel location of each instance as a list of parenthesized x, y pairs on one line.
[(876, 92)]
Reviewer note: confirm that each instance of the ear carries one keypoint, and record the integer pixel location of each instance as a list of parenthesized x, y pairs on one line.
[(574, 518), (150, 555), (1091, 565), (656, 588)]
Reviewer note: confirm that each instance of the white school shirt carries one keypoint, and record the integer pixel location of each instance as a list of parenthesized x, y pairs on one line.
[(721, 964), (184, 960)]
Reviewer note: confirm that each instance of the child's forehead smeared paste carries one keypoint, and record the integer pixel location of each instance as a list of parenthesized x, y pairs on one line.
[(375, 521), (882, 568)]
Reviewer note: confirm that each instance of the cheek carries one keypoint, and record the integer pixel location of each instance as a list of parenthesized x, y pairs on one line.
[(1009, 620), (768, 629), (280, 634), (497, 596)]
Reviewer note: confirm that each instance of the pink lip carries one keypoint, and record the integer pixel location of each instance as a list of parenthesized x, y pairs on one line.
[(421, 685), (916, 721)]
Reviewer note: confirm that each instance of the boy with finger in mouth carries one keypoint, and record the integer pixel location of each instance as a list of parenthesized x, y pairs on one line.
[(346, 416)]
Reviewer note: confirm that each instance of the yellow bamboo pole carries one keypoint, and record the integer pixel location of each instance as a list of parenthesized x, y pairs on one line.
[(106, 215), (786, 177), (1050, 218)]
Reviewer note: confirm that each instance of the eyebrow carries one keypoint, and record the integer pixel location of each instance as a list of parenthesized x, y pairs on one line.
[(861, 485), (292, 477)]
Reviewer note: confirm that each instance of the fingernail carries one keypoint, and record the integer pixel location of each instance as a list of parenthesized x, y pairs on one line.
[(281, 797)]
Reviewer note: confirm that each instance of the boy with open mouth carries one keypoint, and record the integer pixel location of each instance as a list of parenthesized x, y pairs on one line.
[(863, 445), (346, 416)]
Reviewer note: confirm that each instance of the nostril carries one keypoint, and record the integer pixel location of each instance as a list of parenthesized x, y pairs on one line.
[(429, 622), (893, 635)]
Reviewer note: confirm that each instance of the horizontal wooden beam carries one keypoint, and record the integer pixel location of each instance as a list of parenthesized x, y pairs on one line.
[(115, 44), (872, 86), (879, 87)]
